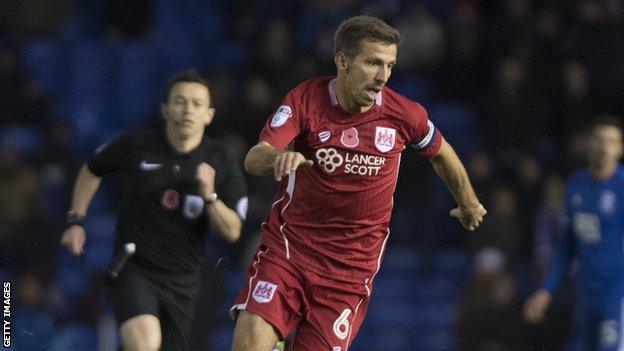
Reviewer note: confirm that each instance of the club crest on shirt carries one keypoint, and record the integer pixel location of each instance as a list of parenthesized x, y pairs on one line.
[(607, 201), (384, 138), (264, 291), (193, 206), (281, 116), (324, 136), (349, 138)]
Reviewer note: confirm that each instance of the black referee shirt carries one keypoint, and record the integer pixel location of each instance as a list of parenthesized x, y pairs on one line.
[(162, 211)]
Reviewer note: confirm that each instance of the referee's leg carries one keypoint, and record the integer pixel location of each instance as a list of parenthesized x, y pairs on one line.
[(141, 333)]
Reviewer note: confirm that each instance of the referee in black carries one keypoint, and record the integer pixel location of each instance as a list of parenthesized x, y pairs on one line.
[(179, 182)]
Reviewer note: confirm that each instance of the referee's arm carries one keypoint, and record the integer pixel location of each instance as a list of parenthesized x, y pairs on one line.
[(85, 187), (225, 221), (222, 218)]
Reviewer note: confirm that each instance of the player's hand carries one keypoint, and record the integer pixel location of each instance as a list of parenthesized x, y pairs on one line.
[(471, 217), (288, 162), (536, 306), (205, 176), (73, 239)]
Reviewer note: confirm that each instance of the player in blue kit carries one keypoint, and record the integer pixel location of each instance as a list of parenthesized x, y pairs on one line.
[(595, 208)]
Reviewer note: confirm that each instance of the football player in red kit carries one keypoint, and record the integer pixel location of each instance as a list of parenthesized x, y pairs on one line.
[(325, 235)]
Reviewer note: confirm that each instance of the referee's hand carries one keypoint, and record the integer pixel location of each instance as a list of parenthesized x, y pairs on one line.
[(73, 239)]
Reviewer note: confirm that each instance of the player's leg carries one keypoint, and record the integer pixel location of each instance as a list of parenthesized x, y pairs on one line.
[(270, 303), (141, 333), (335, 313), (253, 333)]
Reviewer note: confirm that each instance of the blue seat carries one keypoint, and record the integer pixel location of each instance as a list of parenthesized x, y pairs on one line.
[(91, 67), (438, 314), (139, 66), (458, 124), (44, 59), (413, 88), (221, 338), (25, 140), (76, 337), (434, 290), (457, 263), (395, 288), (234, 281), (402, 259), (384, 312), (36, 328), (229, 54), (134, 107), (99, 247), (393, 339)]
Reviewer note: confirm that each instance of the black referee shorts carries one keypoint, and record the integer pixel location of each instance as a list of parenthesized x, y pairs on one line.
[(171, 298)]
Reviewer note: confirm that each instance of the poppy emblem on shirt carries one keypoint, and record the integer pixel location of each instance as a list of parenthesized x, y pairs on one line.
[(171, 199), (281, 116), (264, 291), (350, 138), (384, 138)]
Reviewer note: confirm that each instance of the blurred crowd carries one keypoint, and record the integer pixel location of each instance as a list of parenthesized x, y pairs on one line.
[(512, 84)]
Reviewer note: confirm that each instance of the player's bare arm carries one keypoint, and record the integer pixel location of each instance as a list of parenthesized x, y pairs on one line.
[(85, 188), (447, 165), (264, 159), (223, 219)]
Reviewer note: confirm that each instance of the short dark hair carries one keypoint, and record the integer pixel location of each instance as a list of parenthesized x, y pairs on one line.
[(189, 76), (351, 32), (607, 121)]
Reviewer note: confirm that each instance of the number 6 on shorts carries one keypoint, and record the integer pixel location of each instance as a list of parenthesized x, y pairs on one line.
[(341, 325)]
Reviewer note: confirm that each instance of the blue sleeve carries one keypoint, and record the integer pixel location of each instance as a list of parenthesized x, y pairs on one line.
[(564, 253)]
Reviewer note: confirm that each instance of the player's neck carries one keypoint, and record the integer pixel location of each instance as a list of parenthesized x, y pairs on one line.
[(345, 101), (180, 143), (602, 172)]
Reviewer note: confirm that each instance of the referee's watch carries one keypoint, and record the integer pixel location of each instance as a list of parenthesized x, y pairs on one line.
[(74, 218), (212, 198)]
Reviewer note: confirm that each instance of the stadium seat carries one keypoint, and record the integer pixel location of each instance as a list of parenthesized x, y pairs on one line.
[(413, 88), (75, 337), (456, 263), (27, 141), (44, 59), (99, 247), (34, 328), (458, 124), (221, 338), (402, 259), (91, 67)]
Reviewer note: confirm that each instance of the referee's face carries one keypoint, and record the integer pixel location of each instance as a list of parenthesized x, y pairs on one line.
[(188, 110)]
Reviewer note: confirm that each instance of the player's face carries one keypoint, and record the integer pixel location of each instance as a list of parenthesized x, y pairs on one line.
[(369, 71), (605, 145), (188, 108)]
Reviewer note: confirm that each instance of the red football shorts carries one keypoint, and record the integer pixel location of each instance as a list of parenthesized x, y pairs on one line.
[(327, 313)]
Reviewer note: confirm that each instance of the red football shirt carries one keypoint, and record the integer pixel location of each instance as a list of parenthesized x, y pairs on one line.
[(333, 218)]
